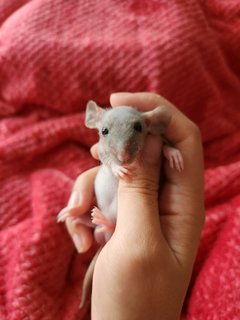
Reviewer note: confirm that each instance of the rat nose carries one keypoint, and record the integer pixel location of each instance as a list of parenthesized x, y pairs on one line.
[(123, 157)]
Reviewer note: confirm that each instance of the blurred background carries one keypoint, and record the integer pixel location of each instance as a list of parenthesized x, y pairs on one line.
[(55, 55)]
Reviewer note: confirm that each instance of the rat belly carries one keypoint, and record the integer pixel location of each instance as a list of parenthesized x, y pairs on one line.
[(106, 186)]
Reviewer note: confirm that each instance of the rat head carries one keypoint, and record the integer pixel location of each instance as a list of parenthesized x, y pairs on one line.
[(123, 129)]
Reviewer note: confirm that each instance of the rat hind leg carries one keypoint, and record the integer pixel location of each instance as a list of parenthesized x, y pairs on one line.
[(104, 224), (174, 157)]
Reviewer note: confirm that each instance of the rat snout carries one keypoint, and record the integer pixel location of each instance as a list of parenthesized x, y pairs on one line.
[(126, 153), (123, 157)]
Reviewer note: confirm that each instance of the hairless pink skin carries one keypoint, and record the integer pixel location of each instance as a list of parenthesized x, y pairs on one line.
[(122, 133)]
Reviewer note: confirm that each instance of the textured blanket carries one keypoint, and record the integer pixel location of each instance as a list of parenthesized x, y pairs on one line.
[(55, 55)]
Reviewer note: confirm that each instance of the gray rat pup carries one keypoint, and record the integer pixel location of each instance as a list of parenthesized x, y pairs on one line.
[(122, 132)]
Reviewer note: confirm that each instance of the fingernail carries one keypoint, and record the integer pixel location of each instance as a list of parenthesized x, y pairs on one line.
[(122, 94), (62, 214), (74, 199), (152, 149), (78, 242)]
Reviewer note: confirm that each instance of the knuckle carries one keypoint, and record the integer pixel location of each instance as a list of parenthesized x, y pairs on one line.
[(142, 189)]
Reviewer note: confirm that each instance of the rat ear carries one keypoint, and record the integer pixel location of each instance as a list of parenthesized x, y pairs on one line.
[(94, 115), (157, 119)]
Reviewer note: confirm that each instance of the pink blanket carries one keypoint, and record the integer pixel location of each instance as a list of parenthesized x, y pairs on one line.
[(54, 57)]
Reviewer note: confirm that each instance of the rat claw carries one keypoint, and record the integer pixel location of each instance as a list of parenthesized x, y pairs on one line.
[(180, 160), (94, 213), (93, 210), (175, 162), (177, 165), (124, 170), (121, 174), (93, 219), (182, 166), (171, 162)]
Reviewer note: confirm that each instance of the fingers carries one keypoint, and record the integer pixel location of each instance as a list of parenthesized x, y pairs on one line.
[(144, 101), (79, 204)]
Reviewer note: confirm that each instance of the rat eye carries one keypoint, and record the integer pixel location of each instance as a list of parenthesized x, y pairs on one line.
[(137, 126), (105, 131)]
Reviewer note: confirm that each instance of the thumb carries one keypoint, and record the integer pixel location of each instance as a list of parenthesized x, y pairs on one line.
[(138, 205)]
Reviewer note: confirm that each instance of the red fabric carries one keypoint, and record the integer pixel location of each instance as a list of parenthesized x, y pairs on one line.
[(56, 55)]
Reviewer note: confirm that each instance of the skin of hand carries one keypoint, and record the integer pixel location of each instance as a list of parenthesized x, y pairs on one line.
[(144, 270)]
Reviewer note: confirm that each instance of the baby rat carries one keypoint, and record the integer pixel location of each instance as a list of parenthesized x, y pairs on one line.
[(122, 132)]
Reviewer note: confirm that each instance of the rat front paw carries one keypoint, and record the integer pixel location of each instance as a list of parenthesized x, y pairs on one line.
[(174, 157), (120, 172)]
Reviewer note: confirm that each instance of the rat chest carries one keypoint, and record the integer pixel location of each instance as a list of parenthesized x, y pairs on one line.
[(106, 187)]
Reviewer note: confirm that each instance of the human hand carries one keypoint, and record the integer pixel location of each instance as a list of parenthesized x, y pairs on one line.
[(144, 269)]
